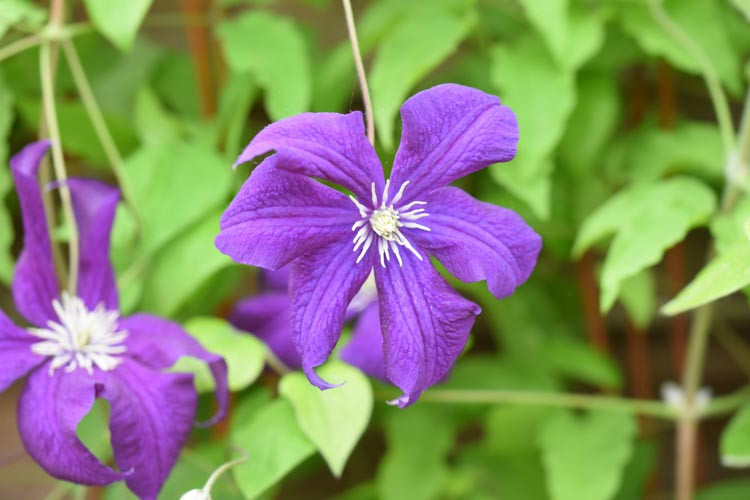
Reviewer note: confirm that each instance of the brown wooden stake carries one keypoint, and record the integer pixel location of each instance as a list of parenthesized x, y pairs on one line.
[(199, 39), (596, 329)]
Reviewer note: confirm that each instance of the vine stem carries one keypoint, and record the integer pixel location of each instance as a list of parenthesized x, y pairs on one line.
[(19, 46), (361, 76), (585, 401), (100, 126), (58, 160)]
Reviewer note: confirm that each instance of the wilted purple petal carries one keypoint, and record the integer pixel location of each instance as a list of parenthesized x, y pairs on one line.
[(425, 325), (328, 146), (158, 344), (267, 316), (278, 216), (16, 358), (322, 284), (34, 282), (450, 131), (365, 348), (151, 418), (49, 410), (94, 204), (479, 241)]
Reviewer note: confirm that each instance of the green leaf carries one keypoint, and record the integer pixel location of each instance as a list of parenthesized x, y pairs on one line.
[(733, 489), (638, 296), (543, 97), (577, 360), (690, 15), (417, 435), (735, 440), (275, 445), (725, 274), (273, 49), (415, 47), (333, 419), (245, 355), (647, 220), (152, 122), (743, 6), (6, 224), (550, 18), (21, 12), (585, 456), (118, 21), (638, 472)]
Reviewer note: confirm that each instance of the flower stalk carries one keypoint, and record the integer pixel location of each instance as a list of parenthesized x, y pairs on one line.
[(361, 76)]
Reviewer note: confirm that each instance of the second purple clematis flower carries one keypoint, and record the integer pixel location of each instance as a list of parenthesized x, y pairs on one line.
[(80, 349), (283, 215)]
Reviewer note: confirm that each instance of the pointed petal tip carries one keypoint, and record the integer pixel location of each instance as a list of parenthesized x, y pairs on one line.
[(317, 381)]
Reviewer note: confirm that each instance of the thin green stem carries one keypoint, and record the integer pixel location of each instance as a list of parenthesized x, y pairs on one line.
[(361, 76), (719, 99), (58, 161), (726, 404), (100, 126), (222, 469), (19, 46), (585, 401)]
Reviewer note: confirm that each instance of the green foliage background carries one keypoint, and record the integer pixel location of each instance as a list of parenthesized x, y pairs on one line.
[(620, 160)]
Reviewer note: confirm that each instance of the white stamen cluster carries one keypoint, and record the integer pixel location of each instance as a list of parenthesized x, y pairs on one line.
[(384, 222), (80, 338)]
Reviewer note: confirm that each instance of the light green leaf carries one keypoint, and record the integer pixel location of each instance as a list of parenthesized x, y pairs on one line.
[(333, 419), (743, 6), (725, 274), (245, 355), (418, 435), (690, 15), (585, 456), (406, 55), (543, 97), (174, 276), (735, 440), (152, 122), (22, 12), (550, 18), (273, 49), (6, 224), (577, 360), (275, 445), (638, 296), (118, 21)]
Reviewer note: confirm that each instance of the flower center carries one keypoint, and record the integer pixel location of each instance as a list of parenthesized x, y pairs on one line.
[(80, 338), (384, 221)]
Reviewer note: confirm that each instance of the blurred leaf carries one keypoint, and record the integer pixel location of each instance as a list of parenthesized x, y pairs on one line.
[(193, 469), (729, 228), (93, 430), (152, 122), (638, 471), (415, 47), (245, 355), (733, 489), (174, 80), (638, 296), (415, 437), (585, 456), (490, 372), (725, 274), (6, 224), (77, 133), (647, 219), (550, 18), (579, 361), (333, 419), (735, 440), (743, 6), (236, 100), (118, 21), (690, 15), (275, 445), (543, 97), (22, 12), (174, 276), (273, 49)]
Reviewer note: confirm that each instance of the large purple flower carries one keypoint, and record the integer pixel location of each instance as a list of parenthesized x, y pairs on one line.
[(80, 349), (267, 316), (282, 215)]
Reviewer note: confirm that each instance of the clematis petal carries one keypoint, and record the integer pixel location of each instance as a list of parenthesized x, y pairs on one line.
[(365, 348), (322, 284), (278, 216), (34, 282), (94, 204), (151, 418), (328, 146), (479, 241), (267, 316), (49, 410), (16, 358), (450, 131), (276, 280), (159, 343), (425, 325)]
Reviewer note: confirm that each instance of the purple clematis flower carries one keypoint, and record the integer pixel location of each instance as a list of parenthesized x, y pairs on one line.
[(267, 316), (282, 215), (81, 349)]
